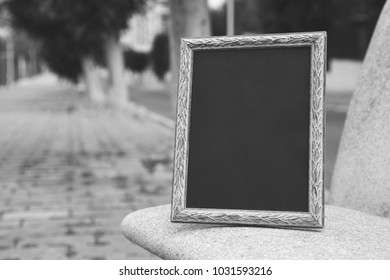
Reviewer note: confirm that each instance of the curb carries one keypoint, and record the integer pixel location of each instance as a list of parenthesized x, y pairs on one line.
[(158, 118)]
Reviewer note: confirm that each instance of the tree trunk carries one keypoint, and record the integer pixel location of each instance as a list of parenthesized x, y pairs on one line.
[(93, 83), (188, 19), (10, 57), (118, 94)]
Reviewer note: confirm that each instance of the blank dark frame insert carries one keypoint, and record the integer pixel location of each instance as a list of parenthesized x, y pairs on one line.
[(250, 130)]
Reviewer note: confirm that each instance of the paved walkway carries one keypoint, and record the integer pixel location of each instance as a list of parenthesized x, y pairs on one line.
[(70, 172)]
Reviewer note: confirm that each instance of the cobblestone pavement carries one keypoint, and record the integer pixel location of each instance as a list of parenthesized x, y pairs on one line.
[(69, 173)]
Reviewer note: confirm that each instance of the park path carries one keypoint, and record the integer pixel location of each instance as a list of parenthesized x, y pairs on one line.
[(69, 173)]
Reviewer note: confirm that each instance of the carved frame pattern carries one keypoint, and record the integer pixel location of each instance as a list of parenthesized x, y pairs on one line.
[(314, 218)]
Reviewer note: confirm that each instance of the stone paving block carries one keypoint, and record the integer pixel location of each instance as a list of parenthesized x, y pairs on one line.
[(34, 254), (41, 215), (9, 225), (99, 251)]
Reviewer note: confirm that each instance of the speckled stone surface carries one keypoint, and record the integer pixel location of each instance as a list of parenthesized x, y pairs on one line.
[(348, 234), (361, 177)]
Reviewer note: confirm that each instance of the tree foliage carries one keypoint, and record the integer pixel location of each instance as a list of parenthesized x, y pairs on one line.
[(136, 61), (160, 55), (72, 28), (63, 61), (356, 10), (349, 23)]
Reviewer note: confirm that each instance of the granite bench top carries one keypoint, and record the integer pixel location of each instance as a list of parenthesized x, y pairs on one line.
[(348, 234)]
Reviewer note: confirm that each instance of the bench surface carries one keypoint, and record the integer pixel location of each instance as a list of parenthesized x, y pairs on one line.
[(348, 234)]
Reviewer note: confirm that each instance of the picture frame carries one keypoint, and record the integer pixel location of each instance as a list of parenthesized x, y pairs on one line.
[(238, 161)]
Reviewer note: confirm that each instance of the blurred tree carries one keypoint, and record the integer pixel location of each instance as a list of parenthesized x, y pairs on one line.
[(3, 65), (2, 45), (353, 22), (349, 23), (188, 19), (85, 27), (282, 16), (300, 15), (160, 55), (136, 61), (65, 62), (247, 17)]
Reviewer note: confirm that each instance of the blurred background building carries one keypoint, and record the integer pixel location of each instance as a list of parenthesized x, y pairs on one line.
[(18, 53), (143, 28)]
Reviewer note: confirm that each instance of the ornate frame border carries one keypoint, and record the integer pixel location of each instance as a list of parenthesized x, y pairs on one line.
[(314, 218)]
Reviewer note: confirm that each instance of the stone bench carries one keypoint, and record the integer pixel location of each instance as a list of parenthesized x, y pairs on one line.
[(348, 234)]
